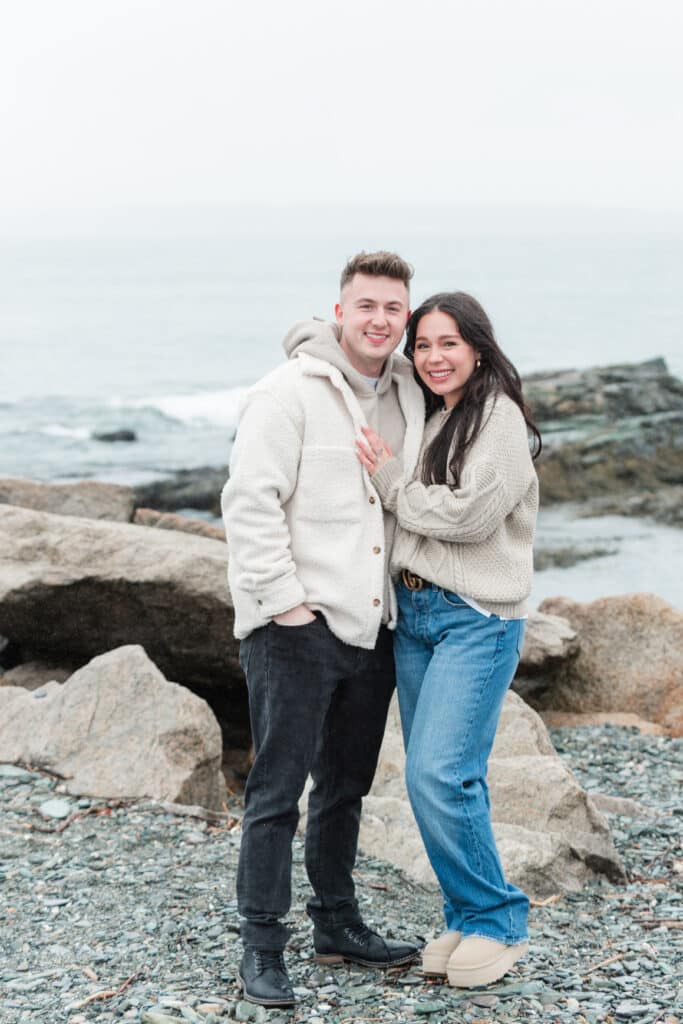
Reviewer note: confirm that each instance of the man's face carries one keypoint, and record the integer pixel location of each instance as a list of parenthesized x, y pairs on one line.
[(372, 313)]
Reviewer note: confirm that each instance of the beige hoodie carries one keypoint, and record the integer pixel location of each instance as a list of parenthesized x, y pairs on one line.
[(380, 405), (303, 520)]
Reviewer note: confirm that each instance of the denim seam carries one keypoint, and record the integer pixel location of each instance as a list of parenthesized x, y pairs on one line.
[(509, 941), (267, 668), (499, 643), (461, 797)]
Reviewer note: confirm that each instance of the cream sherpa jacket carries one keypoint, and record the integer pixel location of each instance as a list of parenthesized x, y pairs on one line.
[(303, 521), (476, 539)]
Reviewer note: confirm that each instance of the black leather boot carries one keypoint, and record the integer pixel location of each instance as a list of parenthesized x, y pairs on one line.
[(263, 978), (357, 944)]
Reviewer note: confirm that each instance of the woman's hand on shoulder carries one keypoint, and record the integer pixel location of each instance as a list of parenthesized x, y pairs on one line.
[(373, 453)]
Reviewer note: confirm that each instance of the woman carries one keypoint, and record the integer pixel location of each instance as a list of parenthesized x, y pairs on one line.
[(463, 559)]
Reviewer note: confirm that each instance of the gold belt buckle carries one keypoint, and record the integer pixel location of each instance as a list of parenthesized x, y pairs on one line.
[(412, 581)]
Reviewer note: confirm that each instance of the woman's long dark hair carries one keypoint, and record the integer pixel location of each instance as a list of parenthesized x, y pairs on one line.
[(494, 375)]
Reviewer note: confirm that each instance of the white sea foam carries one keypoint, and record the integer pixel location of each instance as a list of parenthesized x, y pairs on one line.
[(58, 430), (221, 407)]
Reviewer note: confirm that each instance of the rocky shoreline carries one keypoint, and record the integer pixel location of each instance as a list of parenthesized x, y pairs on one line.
[(126, 911), (120, 682)]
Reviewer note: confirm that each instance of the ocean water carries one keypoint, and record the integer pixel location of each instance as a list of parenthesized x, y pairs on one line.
[(162, 332)]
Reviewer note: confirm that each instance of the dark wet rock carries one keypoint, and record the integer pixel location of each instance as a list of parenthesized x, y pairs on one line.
[(115, 436), (633, 455), (188, 488), (563, 558), (88, 498), (665, 505), (612, 430), (606, 392)]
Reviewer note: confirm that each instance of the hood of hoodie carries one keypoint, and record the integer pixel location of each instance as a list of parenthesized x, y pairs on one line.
[(320, 339)]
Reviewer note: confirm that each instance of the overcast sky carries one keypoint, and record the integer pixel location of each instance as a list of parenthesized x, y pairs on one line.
[(108, 103)]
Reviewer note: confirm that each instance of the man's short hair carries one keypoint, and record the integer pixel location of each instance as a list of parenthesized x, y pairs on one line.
[(377, 264)]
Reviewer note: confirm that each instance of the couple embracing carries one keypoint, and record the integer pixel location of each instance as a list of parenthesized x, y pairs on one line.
[(379, 514)]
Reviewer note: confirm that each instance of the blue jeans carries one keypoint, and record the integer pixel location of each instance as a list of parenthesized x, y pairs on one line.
[(453, 668)]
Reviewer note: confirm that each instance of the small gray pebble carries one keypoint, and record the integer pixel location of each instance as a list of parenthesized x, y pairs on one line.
[(56, 808)]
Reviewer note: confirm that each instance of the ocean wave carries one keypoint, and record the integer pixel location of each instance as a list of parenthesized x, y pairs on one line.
[(219, 407)]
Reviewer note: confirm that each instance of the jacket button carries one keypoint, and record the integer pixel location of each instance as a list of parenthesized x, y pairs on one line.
[(376, 601), (371, 499), (376, 550)]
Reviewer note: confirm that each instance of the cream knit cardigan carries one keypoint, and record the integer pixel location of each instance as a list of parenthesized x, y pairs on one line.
[(476, 539), (303, 520)]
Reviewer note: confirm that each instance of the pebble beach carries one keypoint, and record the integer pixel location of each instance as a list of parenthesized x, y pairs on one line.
[(114, 911)]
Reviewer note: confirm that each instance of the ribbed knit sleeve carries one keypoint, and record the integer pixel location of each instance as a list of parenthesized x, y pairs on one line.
[(497, 474), (388, 481)]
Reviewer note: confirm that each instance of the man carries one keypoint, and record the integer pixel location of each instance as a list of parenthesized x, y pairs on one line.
[(308, 556)]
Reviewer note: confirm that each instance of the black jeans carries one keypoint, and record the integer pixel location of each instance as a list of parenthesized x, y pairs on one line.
[(317, 706)]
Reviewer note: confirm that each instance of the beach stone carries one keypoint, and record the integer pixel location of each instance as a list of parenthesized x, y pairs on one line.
[(430, 1006), (629, 1008), (74, 588), (629, 659), (88, 498), (115, 436), (548, 639), (34, 674), (13, 771), (551, 837), (118, 729), (170, 521), (620, 805), (55, 808)]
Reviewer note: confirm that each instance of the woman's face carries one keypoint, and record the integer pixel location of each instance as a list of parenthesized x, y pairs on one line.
[(443, 360)]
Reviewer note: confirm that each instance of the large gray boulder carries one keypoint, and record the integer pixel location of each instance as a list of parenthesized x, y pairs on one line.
[(88, 498), (117, 729), (184, 524), (73, 588), (550, 836), (629, 660)]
